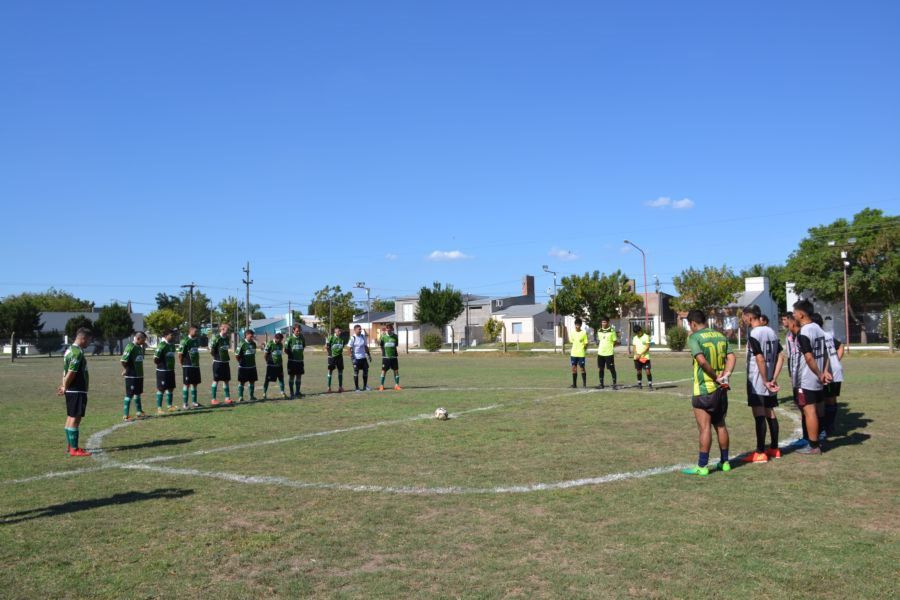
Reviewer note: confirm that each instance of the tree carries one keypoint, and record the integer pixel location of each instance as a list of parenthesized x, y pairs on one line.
[(169, 301), (438, 305), (114, 323), (181, 304), (379, 305), (873, 276), (332, 306), (492, 330), (593, 296), (76, 323), (776, 275), (226, 311), (20, 315), (707, 289), (162, 320), (58, 301)]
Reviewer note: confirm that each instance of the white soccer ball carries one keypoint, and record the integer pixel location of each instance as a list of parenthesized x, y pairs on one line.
[(441, 414)]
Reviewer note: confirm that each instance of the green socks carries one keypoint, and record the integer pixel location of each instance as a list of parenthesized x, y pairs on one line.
[(159, 399), (72, 436), (329, 379), (340, 379), (252, 393), (397, 379), (240, 391), (184, 394), (126, 406), (227, 391), (194, 395), (137, 404), (281, 385), (382, 379), (169, 398), (213, 391)]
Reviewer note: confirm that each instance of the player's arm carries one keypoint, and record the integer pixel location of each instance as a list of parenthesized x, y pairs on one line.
[(704, 365), (157, 356), (381, 344), (730, 361), (779, 364), (126, 356), (839, 348), (806, 350)]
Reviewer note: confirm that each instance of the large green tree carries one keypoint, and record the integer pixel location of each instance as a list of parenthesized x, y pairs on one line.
[(181, 304), (58, 301), (225, 312), (76, 323), (776, 275), (162, 320), (593, 296), (333, 307), (114, 323), (381, 305), (20, 315), (439, 305), (706, 289)]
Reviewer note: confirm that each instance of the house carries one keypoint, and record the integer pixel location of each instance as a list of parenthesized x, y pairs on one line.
[(660, 316), (864, 323), (526, 323), (373, 324), (266, 328)]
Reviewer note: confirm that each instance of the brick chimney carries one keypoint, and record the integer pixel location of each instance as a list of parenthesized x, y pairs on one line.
[(528, 287)]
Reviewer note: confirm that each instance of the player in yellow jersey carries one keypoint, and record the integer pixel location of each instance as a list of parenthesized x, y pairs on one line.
[(579, 341), (640, 344)]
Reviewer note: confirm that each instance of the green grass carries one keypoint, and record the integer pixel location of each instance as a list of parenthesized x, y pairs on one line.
[(798, 527)]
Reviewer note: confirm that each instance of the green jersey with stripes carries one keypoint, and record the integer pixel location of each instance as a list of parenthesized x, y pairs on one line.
[(389, 343), (294, 345), (275, 353), (218, 347), (190, 352), (335, 345), (165, 355), (133, 360), (75, 361), (715, 348), (246, 354)]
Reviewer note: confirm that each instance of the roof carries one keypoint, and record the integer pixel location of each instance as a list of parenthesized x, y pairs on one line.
[(522, 310), (377, 317), (746, 299)]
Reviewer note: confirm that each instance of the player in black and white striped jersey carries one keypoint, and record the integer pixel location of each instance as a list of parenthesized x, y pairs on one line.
[(764, 362)]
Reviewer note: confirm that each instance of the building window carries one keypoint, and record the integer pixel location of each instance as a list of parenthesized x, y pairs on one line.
[(408, 312), (517, 328)]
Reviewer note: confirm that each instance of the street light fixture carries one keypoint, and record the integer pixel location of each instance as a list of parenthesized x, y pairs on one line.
[(546, 269), (646, 295), (846, 263), (362, 285)]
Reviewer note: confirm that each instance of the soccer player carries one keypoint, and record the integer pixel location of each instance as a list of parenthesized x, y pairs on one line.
[(334, 347), (606, 344), (794, 358), (713, 364), (576, 356), (274, 364), (133, 372), (74, 387), (813, 373), (360, 354), (246, 357), (221, 365), (640, 345), (389, 342), (294, 345), (764, 358), (165, 370), (189, 359), (827, 411)]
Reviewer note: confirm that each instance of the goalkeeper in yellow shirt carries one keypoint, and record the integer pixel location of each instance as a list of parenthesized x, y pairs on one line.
[(576, 357), (640, 344)]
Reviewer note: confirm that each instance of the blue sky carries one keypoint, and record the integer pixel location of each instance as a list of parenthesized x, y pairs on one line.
[(145, 145)]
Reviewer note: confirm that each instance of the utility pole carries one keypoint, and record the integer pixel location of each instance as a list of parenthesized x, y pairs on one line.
[(191, 287), (646, 295), (247, 283), (846, 263), (362, 285), (555, 326)]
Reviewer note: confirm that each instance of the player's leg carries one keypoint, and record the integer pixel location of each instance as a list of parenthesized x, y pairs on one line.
[(601, 369), (126, 403), (340, 370), (640, 373), (758, 411), (574, 364), (384, 369), (365, 367), (397, 377), (331, 367), (160, 391), (581, 364), (611, 363), (772, 421), (76, 405), (833, 390), (355, 375), (649, 375), (807, 402), (704, 429)]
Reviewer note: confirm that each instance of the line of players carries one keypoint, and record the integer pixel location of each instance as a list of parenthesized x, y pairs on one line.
[(277, 351), (814, 363), (607, 338)]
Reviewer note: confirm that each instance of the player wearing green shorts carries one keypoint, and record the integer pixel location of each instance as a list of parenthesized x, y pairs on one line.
[(389, 342), (74, 387), (189, 358), (713, 364), (221, 365), (133, 371), (334, 348), (294, 346), (165, 370), (274, 364), (246, 356)]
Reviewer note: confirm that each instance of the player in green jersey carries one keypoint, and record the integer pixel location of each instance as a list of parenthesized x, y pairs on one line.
[(165, 370), (133, 372), (713, 363), (246, 356), (579, 339), (274, 364), (606, 346), (389, 343), (221, 367), (294, 346), (189, 359), (334, 347), (74, 387)]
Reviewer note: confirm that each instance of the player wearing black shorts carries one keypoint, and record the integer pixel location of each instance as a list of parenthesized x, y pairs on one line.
[(334, 348), (189, 358), (764, 361), (294, 346), (274, 364), (165, 370), (813, 372), (74, 387), (389, 343), (640, 345), (827, 410), (221, 365), (360, 355), (133, 371), (606, 345), (246, 356)]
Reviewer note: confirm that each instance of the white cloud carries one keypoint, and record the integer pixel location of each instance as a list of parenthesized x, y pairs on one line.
[(683, 204), (445, 255), (560, 254), (391, 256), (660, 202), (625, 249), (666, 202)]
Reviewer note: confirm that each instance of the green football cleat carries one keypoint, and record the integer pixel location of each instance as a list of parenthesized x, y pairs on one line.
[(724, 466), (701, 471)]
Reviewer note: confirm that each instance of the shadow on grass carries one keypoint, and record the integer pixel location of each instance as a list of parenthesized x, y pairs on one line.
[(79, 505), (156, 444)]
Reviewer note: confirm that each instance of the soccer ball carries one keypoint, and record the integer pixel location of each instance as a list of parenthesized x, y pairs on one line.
[(441, 414)]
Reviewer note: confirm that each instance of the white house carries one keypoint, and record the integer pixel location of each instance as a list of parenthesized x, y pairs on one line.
[(526, 323)]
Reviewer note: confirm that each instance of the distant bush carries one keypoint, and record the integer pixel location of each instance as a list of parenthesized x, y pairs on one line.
[(676, 338), (432, 342)]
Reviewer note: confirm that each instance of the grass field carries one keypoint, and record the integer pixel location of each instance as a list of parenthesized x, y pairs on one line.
[(362, 495)]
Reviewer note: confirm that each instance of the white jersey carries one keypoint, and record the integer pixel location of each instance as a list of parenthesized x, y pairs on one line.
[(831, 345), (793, 359), (762, 341), (358, 345), (812, 340)]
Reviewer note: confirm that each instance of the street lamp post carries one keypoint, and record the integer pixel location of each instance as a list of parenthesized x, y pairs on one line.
[(646, 296), (846, 263), (555, 317), (362, 285), (191, 287)]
